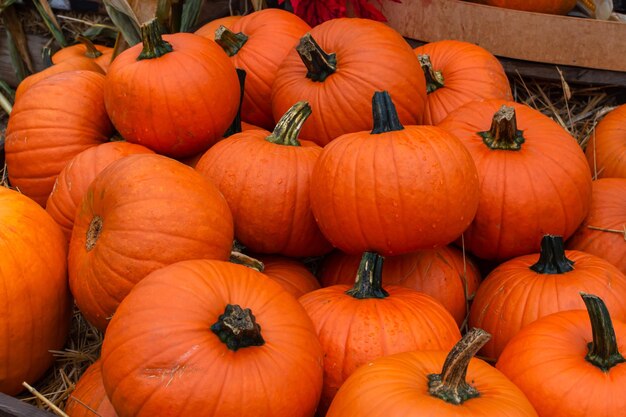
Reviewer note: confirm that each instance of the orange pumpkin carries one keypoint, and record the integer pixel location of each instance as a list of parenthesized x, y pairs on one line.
[(214, 339), (35, 303), (89, 397), (291, 274), (86, 50), (208, 29), (139, 214), (606, 150)]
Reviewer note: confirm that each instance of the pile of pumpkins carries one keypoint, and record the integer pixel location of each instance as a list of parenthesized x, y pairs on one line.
[(338, 143)]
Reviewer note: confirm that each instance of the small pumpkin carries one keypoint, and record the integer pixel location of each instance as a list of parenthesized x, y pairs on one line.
[(606, 149), (87, 50), (431, 383), (89, 397), (208, 29)]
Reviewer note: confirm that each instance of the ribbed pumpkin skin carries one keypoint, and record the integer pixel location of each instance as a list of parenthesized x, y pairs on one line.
[(35, 302), (90, 394), (397, 385), (608, 211), (80, 51), (197, 99), (470, 72), (75, 178), (291, 274), (355, 331), (55, 120), (543, 188), (606, 150), (155, 211), (370, 57), (272, 34), (267, 187), (208, 30), (437, 272), (160, 357), (394, 192), (538, 6), (513, 295)]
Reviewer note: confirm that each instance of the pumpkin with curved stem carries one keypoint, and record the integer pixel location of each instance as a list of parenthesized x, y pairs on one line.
[(175, 94), (89, 397), (442, 273), (258, 43), (526, 288), (208, 30), (337, 67), (606, 149), (365, 192), (35, 302), (603, 233), (534, 179), (576, 357), (55, 119), (433, 383), (210, 338), (271, 207), (139, 214), (75, 178), (538, 6), (456, 73), (86, 50), (359, 324)]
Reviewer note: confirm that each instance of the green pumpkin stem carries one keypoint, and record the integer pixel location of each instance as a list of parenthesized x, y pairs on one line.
[(230, 41), (46, 57), (235, 126), (434, 78), (318, 63), (288, 127), (153, 44), (552, 259), (450, 385), (503, 134), (603, 351), (90, 48), (237, 328), (369, 278), (245, 260), (384, 113)]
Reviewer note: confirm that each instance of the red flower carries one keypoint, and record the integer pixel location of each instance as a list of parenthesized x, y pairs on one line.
[(315, 12)]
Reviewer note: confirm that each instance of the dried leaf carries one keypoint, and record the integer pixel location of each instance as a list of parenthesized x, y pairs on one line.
[(145, 10), (6, 3), (191, 12), (124, 19), (51, 21), (100, 30), (19, 43)]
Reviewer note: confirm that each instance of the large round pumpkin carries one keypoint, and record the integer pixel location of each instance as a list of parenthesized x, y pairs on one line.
[(35, 302), (534, 179), (139, 214), (89, 398), (606, 149), (213, 339), (175, 94), (338, 66), (394, 189), (56, 119)]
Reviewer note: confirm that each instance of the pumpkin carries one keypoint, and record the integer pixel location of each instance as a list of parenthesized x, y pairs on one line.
[(571, 363), (152, 101), (35, 303), (526, 288), (536, 6), (208, 29), (534, 179), (265, 178), (442, 273), (431, 383), (141, 213), (394, 189), (53, 121), (258, 43), (456, 73), (75, 178), (603, 233), (606, 149), (89, 397), (337, 67), (215, 339), (85, 49), (359, 324)]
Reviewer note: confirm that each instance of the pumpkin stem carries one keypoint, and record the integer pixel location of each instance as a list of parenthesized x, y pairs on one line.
[(90, 48), (318, 63), (384, 111), (237, 328), (369, 278), (434, 78), (153, 44), (230, 41), (245, 260), (450, 384), (288, 127), (603, 351), (552, 259), (93, 232), (503, 133), (235, 126), (46, 57)]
